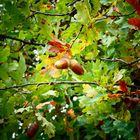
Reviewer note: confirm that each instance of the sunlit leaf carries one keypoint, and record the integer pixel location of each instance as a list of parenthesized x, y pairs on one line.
[(51, 93), (119, 75), (49, 128), (22, 65), (90, 92), (82, 13), (4, 53), (123, 86)]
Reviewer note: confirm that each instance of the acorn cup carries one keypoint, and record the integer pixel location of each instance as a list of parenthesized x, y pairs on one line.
[(76, 67), (62, 63)]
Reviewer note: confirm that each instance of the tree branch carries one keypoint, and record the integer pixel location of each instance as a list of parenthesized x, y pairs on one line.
[(57, 83), (3, 37), (49, 83)]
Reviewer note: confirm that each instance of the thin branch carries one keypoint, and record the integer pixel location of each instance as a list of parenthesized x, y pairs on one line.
[(22, 46), (115, 16), (58, 83), (49, 83), (50, 14), (77, 35), (135, 61), (2, 37), (114, 60), (121, 15), (120, 60)]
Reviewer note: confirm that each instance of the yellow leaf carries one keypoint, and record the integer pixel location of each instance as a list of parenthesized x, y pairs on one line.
[(90, 91)]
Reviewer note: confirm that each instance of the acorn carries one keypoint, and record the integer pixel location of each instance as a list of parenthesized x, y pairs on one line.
[(76, 67), (62, 63), (32, 130)]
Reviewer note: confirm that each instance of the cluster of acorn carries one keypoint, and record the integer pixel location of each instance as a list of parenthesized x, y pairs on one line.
[(66, 63)]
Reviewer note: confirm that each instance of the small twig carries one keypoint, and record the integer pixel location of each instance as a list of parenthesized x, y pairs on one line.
[(121, 15), (49, 83), (135, 61), (114, 60), (50, 14), (77, 35), (2, 37), (22, 46), (115, 16), (120, 60)]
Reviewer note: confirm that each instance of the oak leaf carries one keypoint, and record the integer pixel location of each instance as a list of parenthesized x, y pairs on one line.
[(123, 86)]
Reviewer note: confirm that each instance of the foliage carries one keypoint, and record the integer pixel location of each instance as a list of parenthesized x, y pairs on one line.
[(97, 97)]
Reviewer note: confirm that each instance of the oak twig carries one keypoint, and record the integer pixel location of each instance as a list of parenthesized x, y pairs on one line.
[(122, 15), (49, 83), (57, 83), (77, 35), (50, 14), (120, 60), (115, 16), (20, 40)]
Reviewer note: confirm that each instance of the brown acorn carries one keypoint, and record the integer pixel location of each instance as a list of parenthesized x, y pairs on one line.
[(76, 67), (32, 130), (62, 63)]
